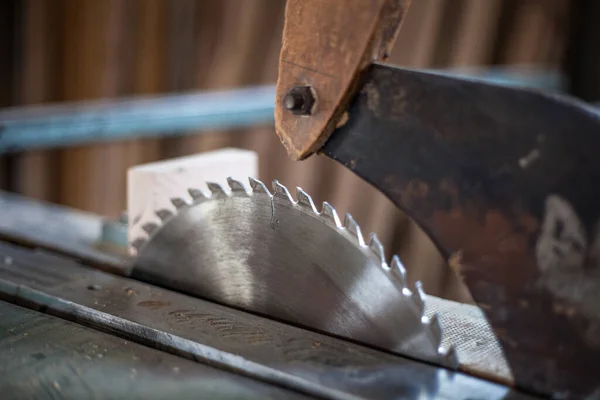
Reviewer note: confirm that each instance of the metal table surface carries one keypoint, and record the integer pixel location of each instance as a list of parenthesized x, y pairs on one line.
[(40, 224), (44, 357), (256, 347)]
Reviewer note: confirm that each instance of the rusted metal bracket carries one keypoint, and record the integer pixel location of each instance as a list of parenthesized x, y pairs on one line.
[(505, 183), (326, 46)]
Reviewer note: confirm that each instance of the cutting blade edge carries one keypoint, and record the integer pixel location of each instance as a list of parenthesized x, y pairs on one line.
[(268, 253)]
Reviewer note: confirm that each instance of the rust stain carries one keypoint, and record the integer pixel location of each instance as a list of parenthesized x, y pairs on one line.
[(399, 103), (154, 304), (372, 98), (564, 309), (418, 189), (494, 249), (484, 241)]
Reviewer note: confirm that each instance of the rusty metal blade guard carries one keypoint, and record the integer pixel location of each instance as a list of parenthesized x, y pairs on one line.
[(504, 182)]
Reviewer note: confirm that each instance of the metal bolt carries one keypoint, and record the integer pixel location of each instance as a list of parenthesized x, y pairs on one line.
[(293, 101), (299, 100)]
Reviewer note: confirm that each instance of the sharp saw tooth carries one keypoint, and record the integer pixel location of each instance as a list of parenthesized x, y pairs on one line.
[(450, 356), (150, 227), (216, 189), (258, 187), (354, 229), (398, 270), (282, 192), (164, 214), (305, 200), (418, 297), (178, 202), (435, 328), (377, 248), (138, 243), (330, 214), (197, 194), (409, 301), (236, 186)]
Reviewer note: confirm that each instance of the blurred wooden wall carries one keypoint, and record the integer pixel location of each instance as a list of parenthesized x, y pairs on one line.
[(68, 50)]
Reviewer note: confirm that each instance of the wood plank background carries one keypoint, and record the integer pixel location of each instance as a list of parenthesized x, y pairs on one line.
[(67, 50)]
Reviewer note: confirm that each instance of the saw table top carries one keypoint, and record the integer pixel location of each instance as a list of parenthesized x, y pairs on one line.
[(47, 357), (176, 325)]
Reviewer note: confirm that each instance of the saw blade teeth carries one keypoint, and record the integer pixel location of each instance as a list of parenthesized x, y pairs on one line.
[(138, 243), (398, 270), (435, 327), (197, 194), (418, 297), (305, 200), (329, 213), (377, 248), (282, 192), (348, 232), (258, 186), (216, 189), (150, 228), (450, 356), (236, 186), (354, 229), (178, 202), (164, 214)]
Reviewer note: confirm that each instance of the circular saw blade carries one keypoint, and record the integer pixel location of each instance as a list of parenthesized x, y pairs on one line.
[(270, 254)]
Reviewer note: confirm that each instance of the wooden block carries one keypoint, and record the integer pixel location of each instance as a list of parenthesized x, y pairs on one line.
[(329, 68), (151, 187)]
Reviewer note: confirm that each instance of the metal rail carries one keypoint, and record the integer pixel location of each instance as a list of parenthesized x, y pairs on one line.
[(77, 123)]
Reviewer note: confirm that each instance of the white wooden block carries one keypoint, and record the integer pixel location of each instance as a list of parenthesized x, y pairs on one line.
[(150, 187)]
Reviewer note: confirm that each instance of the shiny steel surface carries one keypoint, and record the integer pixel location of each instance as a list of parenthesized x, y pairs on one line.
[(44, 357), (278, 257), (229, 339)]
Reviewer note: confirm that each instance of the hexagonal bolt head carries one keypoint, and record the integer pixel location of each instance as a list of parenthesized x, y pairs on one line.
[(299, 100)]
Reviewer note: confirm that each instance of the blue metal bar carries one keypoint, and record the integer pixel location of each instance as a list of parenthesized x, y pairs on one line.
[(68, 124)]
